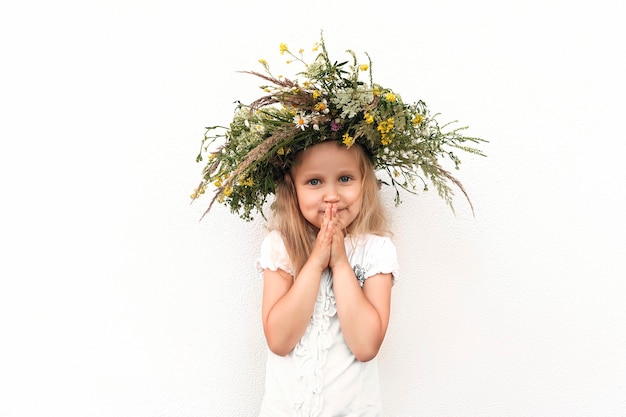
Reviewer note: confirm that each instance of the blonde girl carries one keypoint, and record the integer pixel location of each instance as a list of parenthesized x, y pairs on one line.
[(328, 262), (328, 269)]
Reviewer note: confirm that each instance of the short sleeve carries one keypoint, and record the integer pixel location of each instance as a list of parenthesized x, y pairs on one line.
[(374, 255), (274, 254)]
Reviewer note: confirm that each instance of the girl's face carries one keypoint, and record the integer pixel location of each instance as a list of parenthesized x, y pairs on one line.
[(326, 174)]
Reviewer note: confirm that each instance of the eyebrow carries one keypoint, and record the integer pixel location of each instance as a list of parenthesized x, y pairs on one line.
[(320, 173)]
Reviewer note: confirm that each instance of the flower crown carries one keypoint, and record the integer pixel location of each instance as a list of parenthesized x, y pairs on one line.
[(245, 160)]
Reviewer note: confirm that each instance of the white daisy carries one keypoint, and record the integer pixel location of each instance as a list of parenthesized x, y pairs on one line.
[(259, 128), (301, 120)]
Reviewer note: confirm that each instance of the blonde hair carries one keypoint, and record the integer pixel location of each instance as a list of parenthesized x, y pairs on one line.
[(299, 235)]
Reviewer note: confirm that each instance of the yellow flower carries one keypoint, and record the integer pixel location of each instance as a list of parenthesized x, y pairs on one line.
[(262, 61), (228, 191), (283, 48), (385, 140), (376, 91), (347, 140), (217, 182), (198, 191), (301, 51), (316, 94), (390, 97), (316, 46), (418, 119), (281, 151), (321, 107), (247, 182), (369, 119), (386, 126), (363, 67)]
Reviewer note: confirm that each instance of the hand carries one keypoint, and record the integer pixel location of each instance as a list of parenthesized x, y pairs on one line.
[(323, 242), (338, 248)]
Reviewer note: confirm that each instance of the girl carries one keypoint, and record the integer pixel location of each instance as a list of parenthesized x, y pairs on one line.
[(328, 262), (328, 270)]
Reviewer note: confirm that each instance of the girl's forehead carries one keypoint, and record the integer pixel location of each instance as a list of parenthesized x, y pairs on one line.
[(327, 154)]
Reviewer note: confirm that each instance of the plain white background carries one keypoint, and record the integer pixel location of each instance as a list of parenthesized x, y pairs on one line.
[(116, 301)]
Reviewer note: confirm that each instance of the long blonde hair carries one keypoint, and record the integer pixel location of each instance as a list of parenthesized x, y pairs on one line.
[(299, 235)]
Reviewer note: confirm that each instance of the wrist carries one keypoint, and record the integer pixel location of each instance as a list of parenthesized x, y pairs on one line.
[(341, 266), (314, 265)]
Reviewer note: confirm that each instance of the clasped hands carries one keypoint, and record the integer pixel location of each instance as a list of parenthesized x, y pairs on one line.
[(329, 249)]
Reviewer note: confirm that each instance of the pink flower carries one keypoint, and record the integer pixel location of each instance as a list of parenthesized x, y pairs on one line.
[(335, 126)]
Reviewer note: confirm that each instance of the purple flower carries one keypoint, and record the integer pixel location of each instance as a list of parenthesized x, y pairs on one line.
[(335, 126)]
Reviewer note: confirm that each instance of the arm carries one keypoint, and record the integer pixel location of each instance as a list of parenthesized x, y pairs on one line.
[(287, 306), (363, 313), (288, 303)]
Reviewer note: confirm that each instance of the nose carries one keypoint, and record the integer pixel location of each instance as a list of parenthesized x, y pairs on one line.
[(331, 195)]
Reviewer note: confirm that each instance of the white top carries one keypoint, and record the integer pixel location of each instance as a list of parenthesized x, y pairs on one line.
[(321, 376)]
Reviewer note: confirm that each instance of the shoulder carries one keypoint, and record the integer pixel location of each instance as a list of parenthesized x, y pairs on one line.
[(374, 243), (273, 244), (372, 254), (273, 238), (274, 253)]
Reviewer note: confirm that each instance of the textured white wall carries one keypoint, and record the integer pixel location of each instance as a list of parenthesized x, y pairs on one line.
[(116, 301)]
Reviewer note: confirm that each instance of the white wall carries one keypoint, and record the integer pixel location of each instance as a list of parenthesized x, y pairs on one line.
[(116, 301)]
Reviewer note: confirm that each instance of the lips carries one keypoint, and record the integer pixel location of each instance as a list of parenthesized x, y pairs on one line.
[(338, 210)]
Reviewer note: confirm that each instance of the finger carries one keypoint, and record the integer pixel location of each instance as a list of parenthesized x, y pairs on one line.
[(325, 219), (337, 221), (329, 216), (325, 234)]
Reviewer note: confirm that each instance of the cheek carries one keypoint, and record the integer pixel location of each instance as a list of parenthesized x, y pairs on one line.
[(302, 195), (306, 200), (356, 196), (358, 203)]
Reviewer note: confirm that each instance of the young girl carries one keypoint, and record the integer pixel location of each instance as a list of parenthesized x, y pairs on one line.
[(328, 271), (328, 262)]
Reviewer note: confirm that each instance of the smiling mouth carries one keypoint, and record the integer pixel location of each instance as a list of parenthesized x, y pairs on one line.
[(338, 211)]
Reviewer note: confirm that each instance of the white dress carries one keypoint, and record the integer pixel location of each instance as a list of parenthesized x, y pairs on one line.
[(321, 376)]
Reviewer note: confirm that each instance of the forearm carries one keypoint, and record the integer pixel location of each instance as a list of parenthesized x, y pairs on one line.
[(287, 320), (361, 323)]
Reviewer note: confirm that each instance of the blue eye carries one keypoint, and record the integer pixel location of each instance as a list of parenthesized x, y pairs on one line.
[(314, 182), (345, 178)]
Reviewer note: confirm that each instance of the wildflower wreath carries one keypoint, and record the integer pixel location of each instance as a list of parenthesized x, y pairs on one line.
[(245, 160)]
